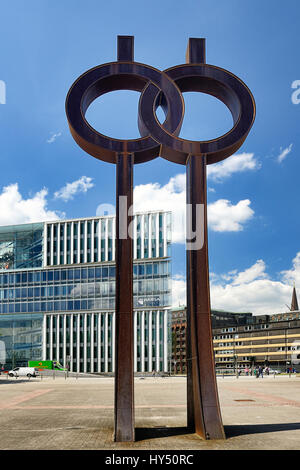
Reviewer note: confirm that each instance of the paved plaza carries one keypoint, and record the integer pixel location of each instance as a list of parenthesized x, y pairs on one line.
[(77, 414)]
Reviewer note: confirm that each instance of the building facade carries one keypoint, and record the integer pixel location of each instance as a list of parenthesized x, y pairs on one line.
[(267, 343), (242, 340), (57, 293)]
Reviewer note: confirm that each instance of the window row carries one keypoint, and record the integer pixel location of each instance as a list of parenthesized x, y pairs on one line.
[(83, 274), (74, 305)]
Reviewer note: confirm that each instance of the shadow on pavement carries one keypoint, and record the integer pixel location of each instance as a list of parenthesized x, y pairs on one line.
[(230, 431), (243, 429), (159, 432)]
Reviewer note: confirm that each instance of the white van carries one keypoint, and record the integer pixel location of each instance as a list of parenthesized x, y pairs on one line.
[(23, 372)]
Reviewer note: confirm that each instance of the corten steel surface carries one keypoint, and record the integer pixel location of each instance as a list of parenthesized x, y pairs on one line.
[(125, 75), (164, 89), (203, 404), (129, 75), (203, 410), (208, 79), (124, 380)]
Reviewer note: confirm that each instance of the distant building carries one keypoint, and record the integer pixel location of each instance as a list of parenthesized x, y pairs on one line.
[(57, 293), (242, 340)]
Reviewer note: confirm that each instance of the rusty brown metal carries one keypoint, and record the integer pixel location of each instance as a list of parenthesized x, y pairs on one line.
[(205, 78), (124, 367), (203, 410), (163, 89), (121, 75), (204, 415), (129, 75)]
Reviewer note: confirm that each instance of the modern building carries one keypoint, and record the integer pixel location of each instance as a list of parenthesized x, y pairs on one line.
[(241, 340), (57, 293)]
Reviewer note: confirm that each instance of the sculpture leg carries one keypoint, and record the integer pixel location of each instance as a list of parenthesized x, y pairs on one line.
[(204, 415), (124, 373)]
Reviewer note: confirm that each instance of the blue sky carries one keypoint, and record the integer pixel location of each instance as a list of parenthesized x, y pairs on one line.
[(45, 46)]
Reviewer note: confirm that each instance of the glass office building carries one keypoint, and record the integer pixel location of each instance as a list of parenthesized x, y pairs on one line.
[(57, 293)]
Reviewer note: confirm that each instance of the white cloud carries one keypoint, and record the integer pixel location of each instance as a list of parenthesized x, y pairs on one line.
[(53, 137), (293, 274), (170, 197), (68, 191), (235, 164), (284, 153), (14, 209), (257, 271), (223, 216), (178, 290), (251, 290)]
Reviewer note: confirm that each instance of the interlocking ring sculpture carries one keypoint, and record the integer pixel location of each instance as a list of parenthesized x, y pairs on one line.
[(163, 89)]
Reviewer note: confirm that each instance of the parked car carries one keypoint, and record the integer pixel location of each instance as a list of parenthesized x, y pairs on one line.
[(274, 371), (23, 372)]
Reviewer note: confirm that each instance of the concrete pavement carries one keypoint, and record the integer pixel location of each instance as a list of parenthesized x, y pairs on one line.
[(77, 414)]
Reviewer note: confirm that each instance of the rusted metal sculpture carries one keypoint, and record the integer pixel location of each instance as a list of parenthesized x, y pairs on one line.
[(163, 89)]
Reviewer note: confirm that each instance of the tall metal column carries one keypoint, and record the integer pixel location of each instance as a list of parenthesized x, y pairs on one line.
[(204, 415), (163, 89), (124, 383)]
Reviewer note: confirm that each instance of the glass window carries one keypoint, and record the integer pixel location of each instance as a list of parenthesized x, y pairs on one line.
[(84, 273), (149, 269), (141, 269), (112, 272), (37, 276), (104, 273), (57, 290), (21, 246), (91, 273), (37, 292)]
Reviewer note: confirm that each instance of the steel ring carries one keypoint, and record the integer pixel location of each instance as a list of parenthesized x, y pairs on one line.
[(208, 79), (119, 76)]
